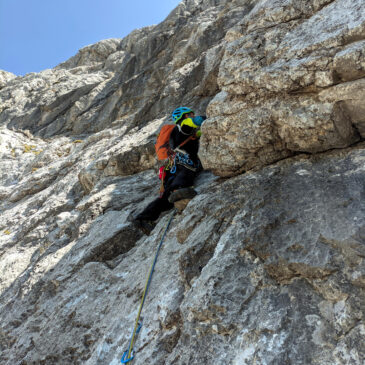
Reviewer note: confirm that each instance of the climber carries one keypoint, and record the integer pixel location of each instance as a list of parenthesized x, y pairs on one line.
[(178, 177)]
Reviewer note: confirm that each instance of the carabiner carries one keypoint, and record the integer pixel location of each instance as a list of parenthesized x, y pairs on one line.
[(123, 360)]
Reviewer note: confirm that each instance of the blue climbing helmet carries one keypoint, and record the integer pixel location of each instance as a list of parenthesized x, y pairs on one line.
[(179, 112)]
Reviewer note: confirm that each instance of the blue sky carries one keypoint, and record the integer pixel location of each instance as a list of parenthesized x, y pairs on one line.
[(39, 34)]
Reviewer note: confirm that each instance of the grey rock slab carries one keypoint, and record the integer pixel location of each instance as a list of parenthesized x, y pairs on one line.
[(254, 240), (92, 54), (348, 96), (265, 265), (46, 97)]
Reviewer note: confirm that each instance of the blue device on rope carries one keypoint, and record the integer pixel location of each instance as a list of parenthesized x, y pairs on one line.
[(128, 355), (125, 359)]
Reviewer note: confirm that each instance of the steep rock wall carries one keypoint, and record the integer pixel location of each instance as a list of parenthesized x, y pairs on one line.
[(265, 267), (283, 79)]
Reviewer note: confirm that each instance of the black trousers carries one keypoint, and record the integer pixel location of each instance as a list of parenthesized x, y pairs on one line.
[(182, 178)]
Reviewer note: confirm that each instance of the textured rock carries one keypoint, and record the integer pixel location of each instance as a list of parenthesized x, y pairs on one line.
[(133, 80), (284, 262), (276, 63), (5, 77), (263, 266), (92, 55)]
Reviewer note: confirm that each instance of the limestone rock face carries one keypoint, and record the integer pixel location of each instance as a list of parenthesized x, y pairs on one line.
[(131, 80), (93, 55), (5, 77), (264, 266), (278, 79)]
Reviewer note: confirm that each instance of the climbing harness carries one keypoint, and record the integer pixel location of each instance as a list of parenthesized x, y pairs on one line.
[(170, 164), (177, 158), (128, 355), (184, 160)]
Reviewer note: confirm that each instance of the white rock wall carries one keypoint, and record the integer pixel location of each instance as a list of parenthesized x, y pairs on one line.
[(265, 267)]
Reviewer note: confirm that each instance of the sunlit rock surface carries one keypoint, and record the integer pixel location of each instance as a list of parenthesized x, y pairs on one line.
[(264, 266), (5, 77)]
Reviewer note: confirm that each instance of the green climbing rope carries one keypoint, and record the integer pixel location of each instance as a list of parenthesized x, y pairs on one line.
[(129, 354)]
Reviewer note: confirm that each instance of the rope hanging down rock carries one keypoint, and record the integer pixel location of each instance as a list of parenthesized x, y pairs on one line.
[(128, 355)]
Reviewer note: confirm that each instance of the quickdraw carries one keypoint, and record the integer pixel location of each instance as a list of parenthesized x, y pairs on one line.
[(128, 355)]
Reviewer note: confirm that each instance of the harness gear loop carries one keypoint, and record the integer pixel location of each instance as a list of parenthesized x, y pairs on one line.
[(169, 166), (128, 355)]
